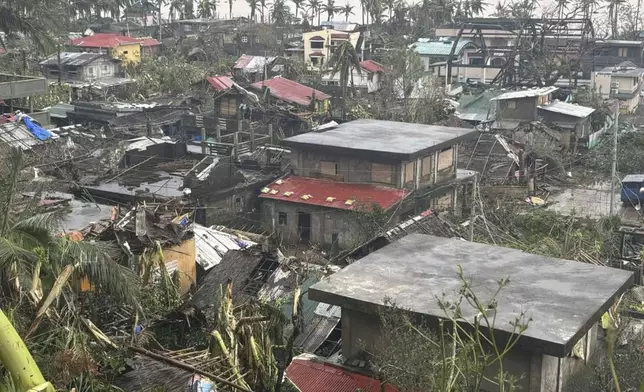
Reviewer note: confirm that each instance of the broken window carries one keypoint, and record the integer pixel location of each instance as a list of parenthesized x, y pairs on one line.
[(381, 172), (427, 168), (328, 168), (476, 60), (282, 218), (445, 159), (409, 175)]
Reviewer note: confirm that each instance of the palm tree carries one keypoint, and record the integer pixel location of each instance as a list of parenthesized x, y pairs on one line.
[(613, 11), (31, 255), (176, 9), (390, 5), (280, 13), (501, 10), (364, 7), (347, 10), (207, 8), (315, 6), (330, 9), (230, 9), (344, 61), (253, 8), (262, 9), (298, 4)]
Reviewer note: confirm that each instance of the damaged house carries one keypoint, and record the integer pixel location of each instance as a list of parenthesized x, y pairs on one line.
[(516, 108), (410, 272), (362, 167)]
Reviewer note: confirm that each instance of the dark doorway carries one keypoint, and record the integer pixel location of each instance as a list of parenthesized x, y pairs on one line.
[(304, 226)]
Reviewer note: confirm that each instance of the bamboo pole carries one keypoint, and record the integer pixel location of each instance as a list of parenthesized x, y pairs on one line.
[(184, 366)]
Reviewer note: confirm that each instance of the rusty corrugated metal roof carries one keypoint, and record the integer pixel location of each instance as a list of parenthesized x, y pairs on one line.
[(290, 91), (332, 194), (310, 376)]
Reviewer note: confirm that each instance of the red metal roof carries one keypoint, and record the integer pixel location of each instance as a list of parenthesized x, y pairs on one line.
[(220, 83), (311, 376), (372, 66), (316, 38), (318, 190), (290, 91), (316, 54), (104, 40), (340, 35)]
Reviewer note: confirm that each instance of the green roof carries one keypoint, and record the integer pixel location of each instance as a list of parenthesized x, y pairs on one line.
[(424, 47), (478, 107)]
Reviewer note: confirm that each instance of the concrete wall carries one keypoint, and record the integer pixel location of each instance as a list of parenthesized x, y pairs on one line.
[(601, 83), (325, 223), (12, 86), (350, 169), (326, 49), (100, 68), (538, 372), (307, 163)]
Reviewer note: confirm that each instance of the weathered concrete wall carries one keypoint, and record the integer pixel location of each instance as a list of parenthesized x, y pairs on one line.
[(326, 224), (442, 167), (349, 169), (359, 330)]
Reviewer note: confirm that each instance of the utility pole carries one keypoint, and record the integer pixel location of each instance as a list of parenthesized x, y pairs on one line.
[(472, 211), (613, 172)]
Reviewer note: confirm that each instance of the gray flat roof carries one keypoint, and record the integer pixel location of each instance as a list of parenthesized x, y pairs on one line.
[(393, 140), (564, 298)]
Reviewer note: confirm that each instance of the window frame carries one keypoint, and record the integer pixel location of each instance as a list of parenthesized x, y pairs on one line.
[(282, 218)]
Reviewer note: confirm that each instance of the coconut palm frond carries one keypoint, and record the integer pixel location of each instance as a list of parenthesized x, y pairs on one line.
[(94, 262)]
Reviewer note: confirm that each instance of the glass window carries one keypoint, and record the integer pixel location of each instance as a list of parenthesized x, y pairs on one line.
[(282, 218), (381, 172), (317, 44), (512, 104)]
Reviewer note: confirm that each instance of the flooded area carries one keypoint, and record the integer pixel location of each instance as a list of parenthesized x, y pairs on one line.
[(593, 202)]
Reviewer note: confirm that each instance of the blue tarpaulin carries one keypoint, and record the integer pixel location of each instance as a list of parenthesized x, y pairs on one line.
[(39, 132)]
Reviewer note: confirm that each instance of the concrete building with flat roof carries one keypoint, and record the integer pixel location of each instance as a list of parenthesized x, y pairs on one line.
[(564, 300), (361, 166)]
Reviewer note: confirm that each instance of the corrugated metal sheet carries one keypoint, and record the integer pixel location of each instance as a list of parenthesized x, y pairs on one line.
[(16, 134), (220, 83), (315, 333), (72, 58), (439, 47), (252, 64), (290, 91), (372, 66), (332, 194), (142, 143), (313, 376), (569, 109), (527, 93), (104, 40), (211, 245)]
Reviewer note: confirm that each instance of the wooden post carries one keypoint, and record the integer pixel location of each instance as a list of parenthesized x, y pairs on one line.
[(204, 143), (218, 132), (251, 130), (235, 143), (270, 133)]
